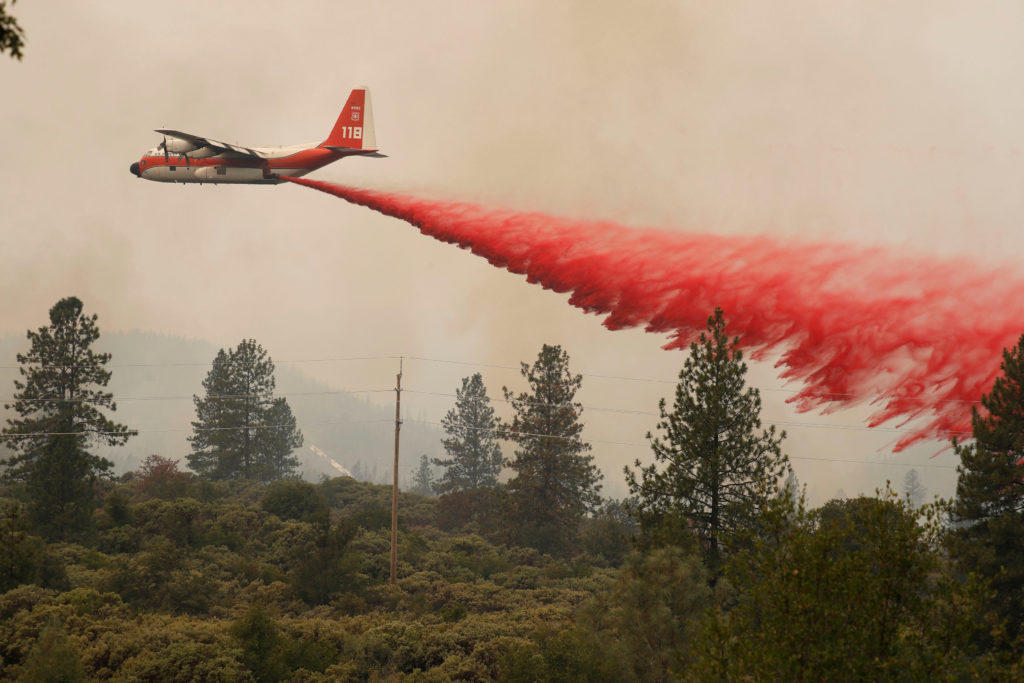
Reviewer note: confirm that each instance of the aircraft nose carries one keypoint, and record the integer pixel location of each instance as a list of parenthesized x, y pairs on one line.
[(134, 168)]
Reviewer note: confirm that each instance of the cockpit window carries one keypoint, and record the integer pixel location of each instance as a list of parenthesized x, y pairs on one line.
[(156, 151)]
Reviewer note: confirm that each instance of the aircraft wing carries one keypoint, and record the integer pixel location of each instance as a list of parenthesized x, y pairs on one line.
[(209, 142)]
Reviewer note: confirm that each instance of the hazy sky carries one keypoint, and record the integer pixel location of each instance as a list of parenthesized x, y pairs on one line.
[(865, 122)]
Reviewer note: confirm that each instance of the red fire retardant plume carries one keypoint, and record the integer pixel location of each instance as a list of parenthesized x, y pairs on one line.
[(919, 338)]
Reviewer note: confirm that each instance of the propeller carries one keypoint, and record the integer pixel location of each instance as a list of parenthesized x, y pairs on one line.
[(166, 156)]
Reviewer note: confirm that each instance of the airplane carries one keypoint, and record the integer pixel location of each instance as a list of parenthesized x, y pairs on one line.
[(187, 158)]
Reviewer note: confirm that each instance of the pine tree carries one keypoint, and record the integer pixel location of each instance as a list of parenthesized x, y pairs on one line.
[(423, 480), (59, 402), (360, 472), (276, 442), (988, 510), (241, 430), (471, 443), (556, 482), (792, 486), (715, 468), (12, 36), (913, 489)]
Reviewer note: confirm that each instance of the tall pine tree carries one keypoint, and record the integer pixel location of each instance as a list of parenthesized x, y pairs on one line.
[(471, 442), (913, 489), (714, 466), (556, 482), (241, 430), (423, 479), (59, 401), (989, 506)]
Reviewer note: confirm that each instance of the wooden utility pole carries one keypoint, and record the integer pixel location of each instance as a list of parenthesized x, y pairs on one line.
[(394, 487)]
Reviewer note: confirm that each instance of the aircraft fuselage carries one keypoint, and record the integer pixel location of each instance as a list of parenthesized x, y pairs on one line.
[(233, 168)]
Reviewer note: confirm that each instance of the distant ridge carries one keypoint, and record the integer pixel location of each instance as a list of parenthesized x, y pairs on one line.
[(357, 434)]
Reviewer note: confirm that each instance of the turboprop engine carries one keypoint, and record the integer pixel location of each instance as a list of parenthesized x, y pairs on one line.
[(178, 146)]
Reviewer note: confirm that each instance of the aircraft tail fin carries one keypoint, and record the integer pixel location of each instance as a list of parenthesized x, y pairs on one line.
[(354, 127)]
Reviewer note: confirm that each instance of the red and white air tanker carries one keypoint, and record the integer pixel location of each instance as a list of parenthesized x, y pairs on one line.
[(187, 158)]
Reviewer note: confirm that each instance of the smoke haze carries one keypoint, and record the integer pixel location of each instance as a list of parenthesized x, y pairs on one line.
[(863, 123)]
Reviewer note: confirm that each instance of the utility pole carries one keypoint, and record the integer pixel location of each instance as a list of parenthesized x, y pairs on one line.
[(394, 487)]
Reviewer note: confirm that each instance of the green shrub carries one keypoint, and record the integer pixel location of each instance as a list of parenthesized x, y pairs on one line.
[(186, 661), (327, 564), (53, 658), (293, 499), (569, 654), (24, 558)]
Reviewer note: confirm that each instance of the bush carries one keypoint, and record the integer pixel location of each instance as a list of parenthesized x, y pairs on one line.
[(326, 565), (53, 658), (179, 521), (651, 613), (160, 478), (260, 639), (484, 511), (608, 535), (293, 499), (845, 592), (118, 509), (185, 661), (570, 654), (25, 558)]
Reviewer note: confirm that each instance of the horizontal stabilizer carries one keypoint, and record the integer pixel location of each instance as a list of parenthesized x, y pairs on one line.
[(360, 152)]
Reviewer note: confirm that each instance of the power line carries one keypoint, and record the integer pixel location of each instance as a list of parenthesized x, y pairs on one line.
[(98, 432), (823, 396), (783, 423), (543, 405), (646, 413), (666, 381), (875, 462), (647, 445), (189, 364), (215, 396), (621, 411)]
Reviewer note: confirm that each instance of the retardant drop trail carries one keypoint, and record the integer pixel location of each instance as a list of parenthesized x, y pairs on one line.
[(920, 338)]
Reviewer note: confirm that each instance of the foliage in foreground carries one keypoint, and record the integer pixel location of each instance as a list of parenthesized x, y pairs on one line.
[(857, 588), (227, 580), (989, 506), (289, 581)]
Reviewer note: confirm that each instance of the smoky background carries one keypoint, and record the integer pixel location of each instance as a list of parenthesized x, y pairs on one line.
[(863, 122)]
